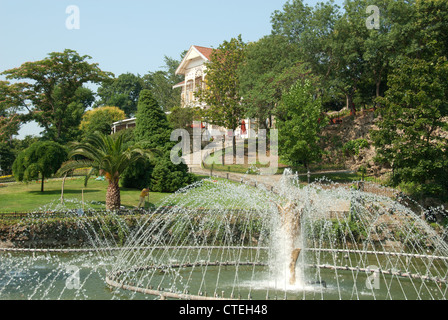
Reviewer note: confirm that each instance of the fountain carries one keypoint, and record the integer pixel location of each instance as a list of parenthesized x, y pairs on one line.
[(218, 239)]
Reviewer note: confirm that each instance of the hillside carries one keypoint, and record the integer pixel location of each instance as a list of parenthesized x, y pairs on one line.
[(336, 136)]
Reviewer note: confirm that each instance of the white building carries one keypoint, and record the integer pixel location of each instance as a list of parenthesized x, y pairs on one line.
[(123, 124), (193, 67)]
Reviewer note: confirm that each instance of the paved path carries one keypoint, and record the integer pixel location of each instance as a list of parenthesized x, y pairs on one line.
[(267, 180), (195, 159)]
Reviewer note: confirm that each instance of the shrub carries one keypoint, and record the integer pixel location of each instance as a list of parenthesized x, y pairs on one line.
[(153, 131), (168, 177), (354, 146)]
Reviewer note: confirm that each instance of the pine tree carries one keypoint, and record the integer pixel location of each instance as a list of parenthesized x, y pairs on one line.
[(152, 125), (153, 131)]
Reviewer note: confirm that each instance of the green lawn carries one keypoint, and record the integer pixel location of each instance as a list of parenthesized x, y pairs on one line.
[(22, 197), (340, 177)]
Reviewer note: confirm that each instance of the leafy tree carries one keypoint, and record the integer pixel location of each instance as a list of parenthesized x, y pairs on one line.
[(42, 158), (362, 57), (347, 56), (382, 46), (223, 94), (138, 174), (10, 100), (107, 155), (100, 119), (348, 65), (312, 30), (55, 91), (9, 150), (7, 157), (260, 74), (412, 132), (122, 92), (9, 125), (161, 84), (299, 124), (182, 118)]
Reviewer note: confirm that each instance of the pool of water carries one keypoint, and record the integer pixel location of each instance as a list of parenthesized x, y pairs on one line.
[(81, 276)]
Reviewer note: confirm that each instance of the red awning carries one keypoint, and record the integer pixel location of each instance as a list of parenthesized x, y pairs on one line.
[(197, 125)]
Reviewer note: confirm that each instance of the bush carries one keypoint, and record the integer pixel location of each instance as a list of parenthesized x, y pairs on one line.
[(421, 190), (137, 175), (354, 146), (168, 177)]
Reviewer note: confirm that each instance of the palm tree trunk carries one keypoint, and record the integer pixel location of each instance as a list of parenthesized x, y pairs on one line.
[(113, 200)]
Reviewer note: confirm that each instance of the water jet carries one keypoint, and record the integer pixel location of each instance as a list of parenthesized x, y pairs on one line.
[(225, 240)]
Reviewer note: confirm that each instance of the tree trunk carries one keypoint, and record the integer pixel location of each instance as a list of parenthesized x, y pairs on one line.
[(62, 189), (113, 200), (378, 86), (350, 105), (42, 184)]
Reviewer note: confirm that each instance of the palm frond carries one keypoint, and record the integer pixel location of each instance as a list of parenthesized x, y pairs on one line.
[(72, 165), (89, 174)]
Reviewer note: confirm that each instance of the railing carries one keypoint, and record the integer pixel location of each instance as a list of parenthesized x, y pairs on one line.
[(59, 214), (97, 213)]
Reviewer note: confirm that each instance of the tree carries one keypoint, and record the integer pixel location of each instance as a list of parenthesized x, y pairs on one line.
[(361, 56), (10, 100), (222, 94), (348, 67), (348, 57), (161, 84), (382, 46), (153, 131), (266, 62), (100, 119), (122, 92), (9, 125), (312, 31), (412, 132), (152, 125), (107, 155), (182, 118), (54, 96), (7, 157), (299, 124), (42, 158)]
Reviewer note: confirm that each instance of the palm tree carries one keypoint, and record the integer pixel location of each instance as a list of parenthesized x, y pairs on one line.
[(106, 155)]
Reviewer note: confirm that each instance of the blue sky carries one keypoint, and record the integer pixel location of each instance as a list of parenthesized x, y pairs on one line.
[(126, 36)]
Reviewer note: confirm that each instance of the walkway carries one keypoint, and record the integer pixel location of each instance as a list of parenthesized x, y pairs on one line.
[(195, 159)]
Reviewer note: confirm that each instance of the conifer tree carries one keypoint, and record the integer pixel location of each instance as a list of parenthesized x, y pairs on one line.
[(153, 131)]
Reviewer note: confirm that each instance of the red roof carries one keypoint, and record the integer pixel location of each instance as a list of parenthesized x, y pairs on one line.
[(205, 51), (179, 84)]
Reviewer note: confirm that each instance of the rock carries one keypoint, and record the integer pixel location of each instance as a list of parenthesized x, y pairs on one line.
[(6, 244)]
